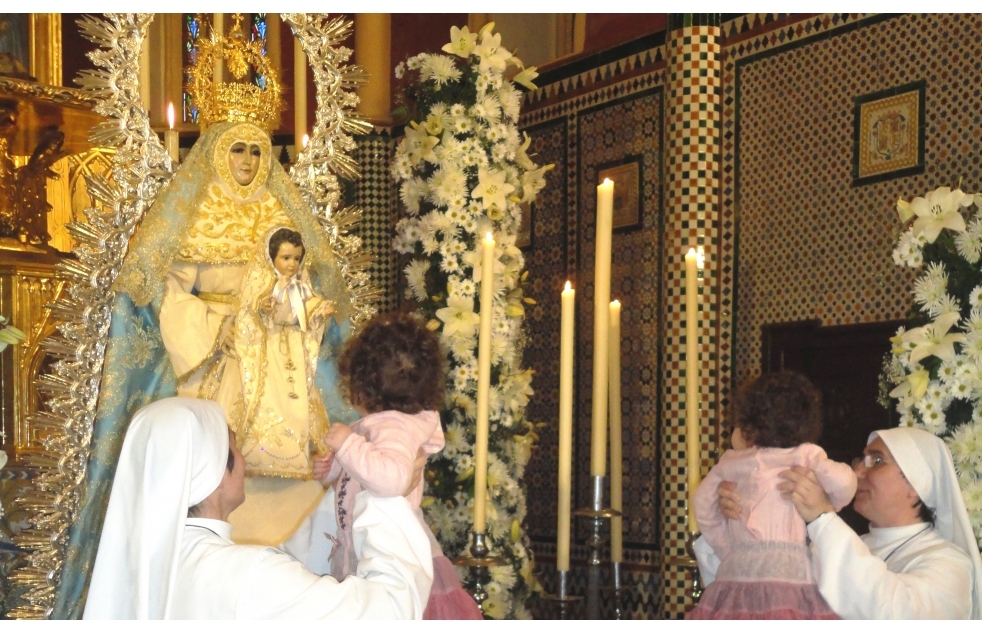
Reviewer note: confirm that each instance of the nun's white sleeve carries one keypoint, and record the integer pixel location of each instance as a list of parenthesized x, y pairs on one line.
[(395, 573), (934, 584)]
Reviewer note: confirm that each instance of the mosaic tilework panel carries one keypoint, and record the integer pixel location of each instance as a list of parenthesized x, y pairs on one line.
[(692, 172), (375, 193), (606, 134), (811, 245), (546, 260)]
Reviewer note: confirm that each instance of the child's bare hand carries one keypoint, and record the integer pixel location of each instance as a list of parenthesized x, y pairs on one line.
[(336, 436), (266, 305), (322, 465)]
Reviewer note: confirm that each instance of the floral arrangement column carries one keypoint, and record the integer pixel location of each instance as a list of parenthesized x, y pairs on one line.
[(464, 171)]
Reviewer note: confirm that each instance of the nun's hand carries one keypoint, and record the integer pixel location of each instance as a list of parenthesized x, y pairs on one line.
[(729, 500), (802, 488)]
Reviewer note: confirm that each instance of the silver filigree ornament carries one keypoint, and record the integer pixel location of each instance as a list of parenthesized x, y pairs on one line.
[(140, 169)]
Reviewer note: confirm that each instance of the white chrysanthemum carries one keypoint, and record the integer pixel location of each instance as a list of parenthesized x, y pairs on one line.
[(447, 183), (458, 110), (402, 167), (450, 265), (464, 462), (482, 84), (504, 574), (511, 101), (916, 260), (430, 244), (969, 243), (410, 193), (929, 289), (416, 277), (402, 245), (400, 70), (456, 440), (948, 372), (467, 287), (414, 62), (908, 247), (499, 152), (932, 415), (440, 69), (456, 215), (965, 443), (471, 225), (492, 106), (463, 346), (947, 305), (462, 125)]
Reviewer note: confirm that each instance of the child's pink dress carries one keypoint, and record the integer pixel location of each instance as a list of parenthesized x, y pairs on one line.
[(765, 570), (379, 457)]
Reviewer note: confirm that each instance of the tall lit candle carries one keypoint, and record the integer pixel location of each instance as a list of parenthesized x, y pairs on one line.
[(616, 478), (565, 426), (299, 90), (601, 299), (305, 141), (693, 456), (483, 386), (171, 137)]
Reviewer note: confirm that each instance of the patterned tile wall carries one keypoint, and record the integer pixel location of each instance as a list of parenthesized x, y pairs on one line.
[(580, 134), (812, 245), (690, 221), (376, 194)]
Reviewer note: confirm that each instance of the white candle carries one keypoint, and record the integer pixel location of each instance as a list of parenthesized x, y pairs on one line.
[(601, 299), (693, 455), (299, 91), (171, 137), (616, 525), (565, 426), (483, 386)]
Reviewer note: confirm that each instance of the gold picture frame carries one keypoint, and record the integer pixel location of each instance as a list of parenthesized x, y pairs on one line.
[(626, 176), (889, 134)]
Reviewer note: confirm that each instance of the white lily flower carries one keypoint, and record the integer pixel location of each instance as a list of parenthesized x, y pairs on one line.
[(420, 144), (462, 42), (458, 316), (525, 78), (533, 182), (934, 339), (492, 188), (493, 56), (939, 210)]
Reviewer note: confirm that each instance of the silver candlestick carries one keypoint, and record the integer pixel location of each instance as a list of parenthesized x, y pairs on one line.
[(598, 513), (481, 560)]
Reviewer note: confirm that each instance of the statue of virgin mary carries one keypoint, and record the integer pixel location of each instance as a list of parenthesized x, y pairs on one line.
[(174, 328)]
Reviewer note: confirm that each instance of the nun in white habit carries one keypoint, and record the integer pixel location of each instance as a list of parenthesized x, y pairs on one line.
[(905, 568), (156, 562)]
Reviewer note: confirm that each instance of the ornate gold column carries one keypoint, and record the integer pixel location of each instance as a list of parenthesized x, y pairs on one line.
[(46, 48), (373, 52)]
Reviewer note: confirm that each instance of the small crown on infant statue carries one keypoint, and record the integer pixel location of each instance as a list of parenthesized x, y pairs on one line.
[(236, 100)]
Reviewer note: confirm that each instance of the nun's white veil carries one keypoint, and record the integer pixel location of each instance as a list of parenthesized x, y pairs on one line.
[(926, 462), (173, 457)]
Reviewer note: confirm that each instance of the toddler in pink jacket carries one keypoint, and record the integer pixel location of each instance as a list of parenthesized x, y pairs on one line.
[(765, 569), (393, 372)]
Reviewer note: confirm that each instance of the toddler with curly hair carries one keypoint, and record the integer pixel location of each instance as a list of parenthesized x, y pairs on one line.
[(765, 570), (393, 372)]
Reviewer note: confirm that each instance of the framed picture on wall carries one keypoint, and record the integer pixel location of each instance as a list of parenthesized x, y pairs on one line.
[(526, 232), (626, 176), (888, 137)]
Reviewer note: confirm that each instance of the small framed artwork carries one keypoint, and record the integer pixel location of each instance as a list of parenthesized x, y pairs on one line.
[(526, 231), (888, 135), (626, 176)]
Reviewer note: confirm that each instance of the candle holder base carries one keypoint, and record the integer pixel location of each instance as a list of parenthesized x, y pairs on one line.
[(597, 513), (564, 599), (695, 591), (481, 560)]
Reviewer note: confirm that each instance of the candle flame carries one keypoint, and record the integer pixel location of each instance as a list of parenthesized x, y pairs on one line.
[(568, 287), (616, 304), (170, 115), (691, 253), (488, 237), (306, 140)]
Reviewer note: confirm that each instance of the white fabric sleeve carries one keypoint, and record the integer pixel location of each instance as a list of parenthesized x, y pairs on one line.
[(395, 573), (707, 559), (858, 585), (187, 326)]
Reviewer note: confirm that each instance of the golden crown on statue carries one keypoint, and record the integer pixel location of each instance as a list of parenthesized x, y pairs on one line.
[(236, 100)]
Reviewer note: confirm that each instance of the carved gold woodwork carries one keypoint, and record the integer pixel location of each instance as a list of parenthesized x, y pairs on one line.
[(27, 284)]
